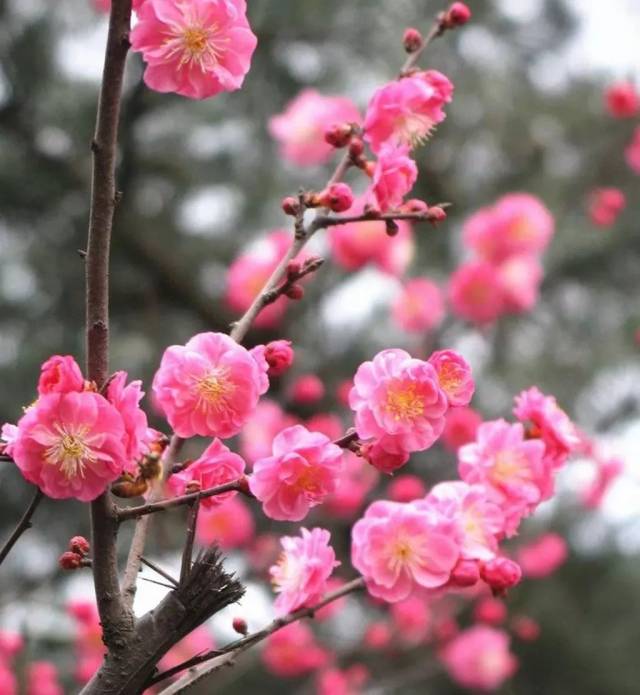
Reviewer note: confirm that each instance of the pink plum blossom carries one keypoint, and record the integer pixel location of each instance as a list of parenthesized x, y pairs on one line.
[(518, 223), (356, 481), (293, 651), (60, 374), (349, 681), (398, 397), (475, 292), (8, 682), (197, 48), (520, 277), (301, 574), (632, 151), (210, 386), (8, 436), (512, 469), (419, 306), (454, 376), (549, 422), (279, 355), (405, 112), (394, 175), (42, 679), (300, 129), (307, 389), (479, 658), (460, 427), (257, 435), (398, 547), (303, 470), (406, 488), (622, 100), (229, 525), (215, 466), (542, 556), (605, 205), (385, 453), (356, 244), (71, 445), (412, 619), (196, 642)]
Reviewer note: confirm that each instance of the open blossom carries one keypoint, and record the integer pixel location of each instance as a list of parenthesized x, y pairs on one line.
[(543, 556), (475, 292), (398, 396), (477, 521), (301, 574), (126, 398), (229, 525), (197, 48), (520, 277), (60, 374), (302, 471), (215, 466), (632, 151), (512, 469), (460, 427), (257, 435), (293, 651), (210, 386), (454, 376), (71, 445), (480, 658), (622, 100), (357, 244), (394, 175), (548, 422), (404, 112), (604, 206), (301, 127), (419, 307), (398, 547), (518, 223)]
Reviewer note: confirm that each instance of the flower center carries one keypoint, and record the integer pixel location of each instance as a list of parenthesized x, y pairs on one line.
[(308, 482), (507, 465), (214, 389), (196, 44), (400, 554), (70, 451), (404, 403), (414, 129), (449, 377)]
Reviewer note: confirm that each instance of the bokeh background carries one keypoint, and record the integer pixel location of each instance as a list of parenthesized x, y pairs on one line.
[(202, 180)]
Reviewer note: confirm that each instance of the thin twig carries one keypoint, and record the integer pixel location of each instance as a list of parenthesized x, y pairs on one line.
[(235, 648), (23, 525), (159, 570), (437, 29), (324, 221), (187, 553)]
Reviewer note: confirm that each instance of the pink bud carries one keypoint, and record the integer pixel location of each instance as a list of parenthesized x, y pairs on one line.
[(338, 197), (293, 270), (465, 573), (356, 147), (79, 545), (240, 626), (295, 292), (490, 610), (457, 15), (412, 40), (279, 355), (501, 574), (436, 214), (307, 389), (290, 206), (339, 134), (416, 205), (70, 561)]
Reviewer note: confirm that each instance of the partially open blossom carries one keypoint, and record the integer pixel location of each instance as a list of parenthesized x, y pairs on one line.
[(419, 306), (475, 292), (60, 374), (279, 355), (397, 396), (549, 422), (300, 129), (394, 175), (479, 658), (500, 573), (126, 398), (607, 472), (338, 197), (229, 525), (518, 223), (397, 548), (301, 574), (215, 466), (405, 112), (542, 557), (604, 206), (520, 278), (197, 49), (454, 376), (511, 467), (465, 574), (385, 453), (301, 473), (306, 389), (622, 100), (209, 387), (293, 651), (357, 244), (632, 151), (461, 425), (71, 445)]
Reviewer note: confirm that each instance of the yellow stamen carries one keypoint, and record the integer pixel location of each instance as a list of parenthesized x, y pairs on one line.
[(214, 389), (70, 451), (404, 403)]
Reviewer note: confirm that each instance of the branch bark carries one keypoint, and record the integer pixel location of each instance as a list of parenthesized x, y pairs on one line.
[(23, 525)]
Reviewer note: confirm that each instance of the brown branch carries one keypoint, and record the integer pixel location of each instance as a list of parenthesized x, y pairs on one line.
[(187, 553), (23, 525), (159, 570), (437, 29), (324, 221), (228, 653), (116, 620)]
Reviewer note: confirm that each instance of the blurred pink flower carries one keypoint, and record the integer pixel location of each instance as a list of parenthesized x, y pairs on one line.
[(475, 292), (356, 481), (412, 619), (419, 307), (229, 525), (604, 205), (256, 437), (461, 425), (542, 556), (622, 100), (520, 278), (632, 151), (293, 651)]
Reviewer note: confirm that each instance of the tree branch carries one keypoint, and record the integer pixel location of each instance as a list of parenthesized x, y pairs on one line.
[(23, 525)]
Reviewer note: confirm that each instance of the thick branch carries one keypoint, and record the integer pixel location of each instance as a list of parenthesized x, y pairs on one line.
[(23, 525)]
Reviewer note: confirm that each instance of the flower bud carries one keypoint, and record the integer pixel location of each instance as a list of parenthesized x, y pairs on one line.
[(457, 15), (339, 134), (525, 628), (79, 545), (416, 205), (279, 355), (70, 561), (356, 147), (466, 573), (293, 270), (491, 611), (295, 292), (412, 40), (501, 574), (436, 214), (290, 206), (338, 197), (240, 626)]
